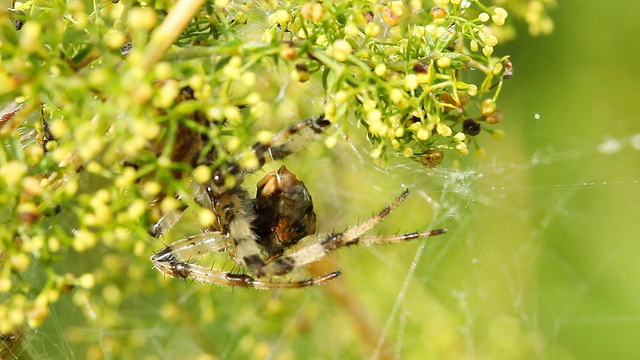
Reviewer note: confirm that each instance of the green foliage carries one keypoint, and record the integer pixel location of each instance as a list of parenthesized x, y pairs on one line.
[(91, 86)]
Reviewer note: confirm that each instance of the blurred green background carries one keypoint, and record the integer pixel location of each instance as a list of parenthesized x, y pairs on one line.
[(540, 261), (558, 205)]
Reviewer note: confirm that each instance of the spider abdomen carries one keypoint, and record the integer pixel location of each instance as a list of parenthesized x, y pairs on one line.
[(284, 210)]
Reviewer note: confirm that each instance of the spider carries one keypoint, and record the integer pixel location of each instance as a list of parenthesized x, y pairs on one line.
[(261, 234)]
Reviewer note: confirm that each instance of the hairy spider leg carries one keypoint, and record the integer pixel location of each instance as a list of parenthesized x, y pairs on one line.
[(351, 236), (173, 261)]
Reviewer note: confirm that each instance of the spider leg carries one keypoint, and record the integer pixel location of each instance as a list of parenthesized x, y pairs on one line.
[(189, 247), (393, 239), (173, 261), (224, 278), (171, 217), (352, 236), (278, 147), (284, 144)]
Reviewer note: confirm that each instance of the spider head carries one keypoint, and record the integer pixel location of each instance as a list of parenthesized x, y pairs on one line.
[(285, 211)]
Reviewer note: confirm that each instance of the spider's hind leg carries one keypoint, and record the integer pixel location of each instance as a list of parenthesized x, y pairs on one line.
[(173, 260)]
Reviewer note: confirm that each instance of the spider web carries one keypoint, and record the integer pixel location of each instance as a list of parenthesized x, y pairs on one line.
[(540, 258)]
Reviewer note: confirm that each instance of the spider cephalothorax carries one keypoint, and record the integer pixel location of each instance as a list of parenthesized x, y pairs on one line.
[(262, 234)]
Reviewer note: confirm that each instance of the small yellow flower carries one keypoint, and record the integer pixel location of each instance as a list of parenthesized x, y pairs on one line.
[(372, 29), (221, 4), (241, 17), (443, 62), (152, 188), (330, 142), (281, 17), (30, 36), (380, 69), (136, 209), (202, 174), (5, 284), (407, 152), (168, 204), (19, 262), (248, 79), (84, 240), (249, 160), (312, 11), (411, 82), (438, 14), (321, 40), (351, 30), (443, 129), (206, 217), (375, 153), (488, 107), (390, 16), (340, 49), (12, 172), (87, 281), (53, 244), (36, 315), (264, 136), (487, 50), (341, 96), (114, 38), (374, 115), (499, 16), (396, 95), (423, 133), (462, 148), (141, 18)]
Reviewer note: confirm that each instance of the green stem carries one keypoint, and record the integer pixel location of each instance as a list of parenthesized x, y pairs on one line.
[(169, 31)]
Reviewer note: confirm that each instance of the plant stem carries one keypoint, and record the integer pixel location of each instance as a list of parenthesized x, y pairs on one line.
[(170, 29)]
